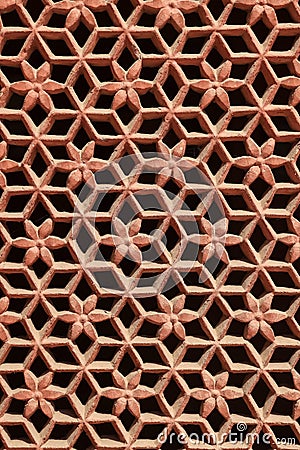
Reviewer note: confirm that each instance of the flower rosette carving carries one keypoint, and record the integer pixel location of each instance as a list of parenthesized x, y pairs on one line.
[(39, 242)]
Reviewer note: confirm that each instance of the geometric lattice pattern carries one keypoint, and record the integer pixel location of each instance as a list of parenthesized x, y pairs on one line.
[(83, 83)]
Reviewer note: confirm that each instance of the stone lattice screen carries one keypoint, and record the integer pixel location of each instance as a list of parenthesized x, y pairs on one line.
[(207, 85)]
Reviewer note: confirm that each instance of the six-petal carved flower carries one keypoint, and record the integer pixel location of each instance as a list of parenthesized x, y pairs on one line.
[(6, 318), (39, 242), (127, 240), (38, 394), (260, 161), (82, 165), (171, 317), (215, 393), (217, 84), (82, 316), (259, 317), (37, 86), (171, 164), (127, 393), (215, 239), (128, 87)]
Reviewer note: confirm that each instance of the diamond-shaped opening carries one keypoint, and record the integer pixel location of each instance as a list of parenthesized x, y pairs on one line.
[(81, 34), (81, 138), (126, 365), (282, 124), (280, 251), (61, 202), (215, 420), (83, 342), (125, 8), (59, 47), (171, 188), (214, 163), (283, 43), (83, 239), (150, 126), (171, 138), (40, 268), (260, 392), (172, 238), (237, 17), (81, 87), (60, 280), (281, 404), (149, 100), (39, 420), (214, 58), (192, 125), (237, 44), (260, 84), (12, 47), (171, 87), (105, 128), (15, 126), (83, 391), (237, 98), (39, 214), (259, 342), (282, 96), (57, 20), (38, 367), (259, 135), (239, 355), (192, 98), (147, 20), (37, 114), (169, 34), (38, 165), (260, 30), (12, 19), (238, 123), (126, 59), (214, 366), (60, 126), (216, 8), (39, 317), (125, 114), (104, 45), (127, 419), (60, 329), (259, 187), (214, 112), (108, 430), (15, 101), (17, 433), (172, 392), (36, 59), (193, 20), (62, 432), (172, 342), (214, 315), (127, 315), (257, 238), (34, 8), (258, 289)]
